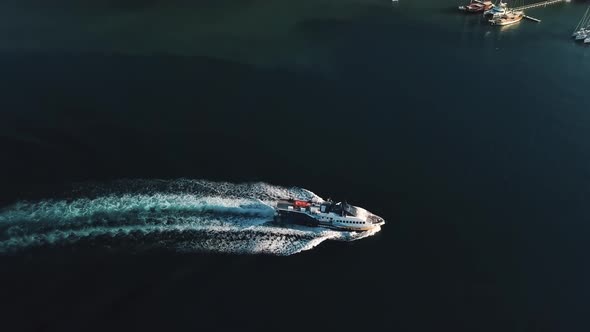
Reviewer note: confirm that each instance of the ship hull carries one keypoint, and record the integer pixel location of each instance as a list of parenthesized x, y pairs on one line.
[(507, 22)]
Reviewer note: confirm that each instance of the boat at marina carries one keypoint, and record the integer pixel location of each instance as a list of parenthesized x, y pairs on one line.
[(582, 30), (582, 35), (511, 17), (496, 10), (476, 6)]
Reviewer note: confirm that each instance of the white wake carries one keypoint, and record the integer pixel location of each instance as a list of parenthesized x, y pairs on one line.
[(183, 215)]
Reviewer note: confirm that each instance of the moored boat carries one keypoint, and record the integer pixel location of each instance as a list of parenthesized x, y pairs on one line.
[(582, 35), (476, 6), (582, 30), (496, 10), (509, 18)]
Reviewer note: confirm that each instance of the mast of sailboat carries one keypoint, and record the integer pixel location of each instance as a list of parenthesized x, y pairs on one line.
[(506, 8), (510, 9), (499, 4), (584, 21)]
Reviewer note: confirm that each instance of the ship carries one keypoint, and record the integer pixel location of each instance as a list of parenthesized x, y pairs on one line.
[(328, 214), (582, 30), (496, 10), (582, 35), (508, 18), (476, 6)]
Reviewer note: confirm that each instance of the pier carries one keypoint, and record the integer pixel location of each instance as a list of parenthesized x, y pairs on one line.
[(539, 4), (532, 18), (518, 10)]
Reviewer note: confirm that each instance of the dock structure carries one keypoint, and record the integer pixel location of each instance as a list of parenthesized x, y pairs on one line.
[(539, 4), (532, 18)]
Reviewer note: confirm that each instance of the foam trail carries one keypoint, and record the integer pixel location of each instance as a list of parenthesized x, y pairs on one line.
[(183, 215)]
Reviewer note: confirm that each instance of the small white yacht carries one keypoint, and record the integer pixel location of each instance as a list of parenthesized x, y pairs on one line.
[(582, 35), (579, 32), (582, 30), (340, 216), (497, 10)]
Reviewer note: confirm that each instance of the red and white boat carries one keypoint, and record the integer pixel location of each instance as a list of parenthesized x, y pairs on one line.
[(339, 216), (477, 6)]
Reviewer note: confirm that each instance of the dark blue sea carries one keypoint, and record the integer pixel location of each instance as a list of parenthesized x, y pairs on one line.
[(142, 142)]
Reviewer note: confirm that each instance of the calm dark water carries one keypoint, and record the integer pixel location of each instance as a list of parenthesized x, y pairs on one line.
[(471, 141)]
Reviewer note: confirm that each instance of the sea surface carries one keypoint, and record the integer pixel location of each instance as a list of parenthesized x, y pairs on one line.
[(144, 143)]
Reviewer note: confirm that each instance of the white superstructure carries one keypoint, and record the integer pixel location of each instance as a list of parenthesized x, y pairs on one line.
[(328, 214)]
